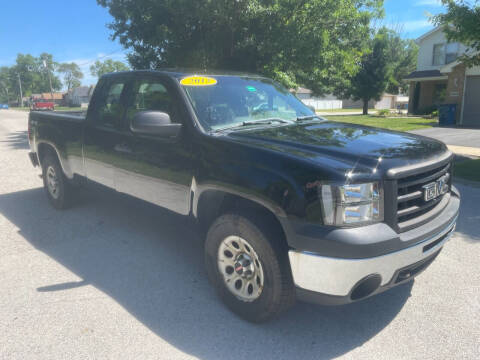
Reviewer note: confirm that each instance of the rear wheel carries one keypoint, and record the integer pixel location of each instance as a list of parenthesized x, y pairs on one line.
[(55, 183), (248, 265)]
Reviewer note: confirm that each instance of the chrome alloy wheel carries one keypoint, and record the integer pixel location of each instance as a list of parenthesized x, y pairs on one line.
[(241, 268), (52, 182)]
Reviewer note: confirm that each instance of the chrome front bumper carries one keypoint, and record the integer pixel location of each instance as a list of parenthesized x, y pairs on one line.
[(338, 277)]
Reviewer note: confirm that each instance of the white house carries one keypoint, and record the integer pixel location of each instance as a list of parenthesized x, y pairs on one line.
[(319, 103), (440, 78), (80, 96)]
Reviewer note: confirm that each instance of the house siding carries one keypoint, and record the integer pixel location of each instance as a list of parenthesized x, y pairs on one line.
[(458, 80), (425, 51)]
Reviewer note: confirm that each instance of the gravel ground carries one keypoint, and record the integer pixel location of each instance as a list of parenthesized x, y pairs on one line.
[(117, 278)]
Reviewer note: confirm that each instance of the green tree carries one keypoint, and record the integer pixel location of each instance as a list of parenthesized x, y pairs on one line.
[(34, 73), (46, 69), (462, 24), (6, 89), (71, 75), (402, 59), (316, 43), (373, 77), (108, 66)]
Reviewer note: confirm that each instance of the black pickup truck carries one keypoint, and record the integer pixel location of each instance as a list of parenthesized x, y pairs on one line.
[(294, 206)]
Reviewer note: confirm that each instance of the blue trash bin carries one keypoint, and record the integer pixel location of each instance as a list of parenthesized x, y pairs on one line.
[(446, 114)]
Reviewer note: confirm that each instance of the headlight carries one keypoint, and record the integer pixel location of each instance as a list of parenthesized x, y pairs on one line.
[(351, 204)]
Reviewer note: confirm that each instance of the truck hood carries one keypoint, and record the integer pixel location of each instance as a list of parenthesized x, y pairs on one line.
[(345, 146)]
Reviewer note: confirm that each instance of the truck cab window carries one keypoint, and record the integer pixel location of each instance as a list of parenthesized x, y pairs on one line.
[(153, 96), (110, 109)]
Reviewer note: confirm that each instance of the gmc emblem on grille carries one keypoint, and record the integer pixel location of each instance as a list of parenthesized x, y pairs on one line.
[(435, 189)]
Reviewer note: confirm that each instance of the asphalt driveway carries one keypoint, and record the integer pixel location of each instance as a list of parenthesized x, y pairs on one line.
[(116, 278), (453, 136)]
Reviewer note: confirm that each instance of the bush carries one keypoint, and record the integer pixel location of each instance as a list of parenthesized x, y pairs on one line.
[(427, 110), (384, 112)]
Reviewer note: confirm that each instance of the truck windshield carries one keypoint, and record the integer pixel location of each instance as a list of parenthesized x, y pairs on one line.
[(232, 101)]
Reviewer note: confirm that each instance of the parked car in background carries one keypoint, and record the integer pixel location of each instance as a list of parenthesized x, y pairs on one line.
[(41, 104), (3, 106)]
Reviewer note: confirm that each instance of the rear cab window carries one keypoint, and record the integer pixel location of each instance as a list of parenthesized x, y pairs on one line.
[(109, 108)]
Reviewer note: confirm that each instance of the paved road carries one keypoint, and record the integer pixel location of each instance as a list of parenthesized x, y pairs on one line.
[(453, 136), (117, 278)]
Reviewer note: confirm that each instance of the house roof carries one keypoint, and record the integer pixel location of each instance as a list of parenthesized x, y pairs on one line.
[(427, 34), (449, 67), (425, 75), (56, 96)]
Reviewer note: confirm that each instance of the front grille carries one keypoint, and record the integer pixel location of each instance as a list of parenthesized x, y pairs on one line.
[(412, 208)]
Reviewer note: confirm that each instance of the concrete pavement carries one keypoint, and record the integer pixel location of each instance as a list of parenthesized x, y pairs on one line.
[(460, 141), (116, 278)]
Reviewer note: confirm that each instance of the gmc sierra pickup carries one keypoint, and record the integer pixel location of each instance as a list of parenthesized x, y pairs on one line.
[(294, 206)]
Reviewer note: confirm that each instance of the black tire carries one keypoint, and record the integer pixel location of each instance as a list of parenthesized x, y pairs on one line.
[(62, 198), (278, 292)]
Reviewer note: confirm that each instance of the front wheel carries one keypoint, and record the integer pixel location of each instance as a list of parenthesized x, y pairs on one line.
[(248, 265)]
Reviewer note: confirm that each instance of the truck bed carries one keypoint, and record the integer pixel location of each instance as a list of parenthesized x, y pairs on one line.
[(64, 131), (58, 115)]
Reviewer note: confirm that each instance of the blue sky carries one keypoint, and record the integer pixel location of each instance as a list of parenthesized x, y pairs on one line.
[(411, 17), (76, 30)]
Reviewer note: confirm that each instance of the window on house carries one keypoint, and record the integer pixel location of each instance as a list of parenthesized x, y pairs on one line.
[(439, 54), (445, 53), (451, 52)]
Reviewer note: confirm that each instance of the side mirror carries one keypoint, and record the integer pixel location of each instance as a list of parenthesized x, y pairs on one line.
[(154, 123)]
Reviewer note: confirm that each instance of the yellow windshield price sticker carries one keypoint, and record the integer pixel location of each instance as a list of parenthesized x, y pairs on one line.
[(198, 81)]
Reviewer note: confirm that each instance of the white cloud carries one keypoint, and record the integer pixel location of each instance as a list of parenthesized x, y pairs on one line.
[(428, 3), (414, 25)]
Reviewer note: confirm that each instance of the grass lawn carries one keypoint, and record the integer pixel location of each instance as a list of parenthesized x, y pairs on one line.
[(392, 123), (338, 110), (468, 169), (25, 108)]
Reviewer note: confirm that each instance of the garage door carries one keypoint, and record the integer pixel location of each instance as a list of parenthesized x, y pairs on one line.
[(471, 109)]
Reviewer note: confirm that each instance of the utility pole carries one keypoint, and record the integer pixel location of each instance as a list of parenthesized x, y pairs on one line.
[(49, 79), (20, 85)]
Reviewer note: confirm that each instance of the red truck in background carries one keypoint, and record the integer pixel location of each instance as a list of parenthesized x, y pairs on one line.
[(42, 104)]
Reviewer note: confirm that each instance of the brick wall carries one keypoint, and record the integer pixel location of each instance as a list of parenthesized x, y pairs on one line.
[(426, 94), (455, 87)]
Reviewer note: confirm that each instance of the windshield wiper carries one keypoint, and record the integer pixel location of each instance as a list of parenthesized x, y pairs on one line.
[(308, 117), (264, 121), (255, 122)]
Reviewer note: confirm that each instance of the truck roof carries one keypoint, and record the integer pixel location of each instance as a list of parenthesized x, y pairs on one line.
[(183, 72)]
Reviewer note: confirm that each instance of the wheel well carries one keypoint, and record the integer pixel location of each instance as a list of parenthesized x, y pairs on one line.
[(43, 150), (212, 204)]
